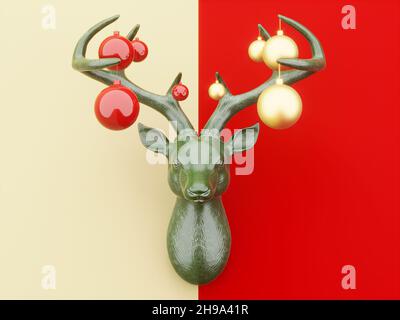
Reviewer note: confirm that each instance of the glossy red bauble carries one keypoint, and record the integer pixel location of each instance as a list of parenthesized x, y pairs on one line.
[(180, 92), (117, 107), (140, 50), (116, 46)]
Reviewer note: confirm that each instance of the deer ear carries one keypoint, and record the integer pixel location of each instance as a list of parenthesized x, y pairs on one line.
[(243, 139), (153, 139)]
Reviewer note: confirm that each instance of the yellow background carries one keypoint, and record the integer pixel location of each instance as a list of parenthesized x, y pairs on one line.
[(73, 194)]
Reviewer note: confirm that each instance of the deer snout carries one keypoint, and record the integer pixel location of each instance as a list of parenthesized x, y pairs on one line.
[(198, 193)]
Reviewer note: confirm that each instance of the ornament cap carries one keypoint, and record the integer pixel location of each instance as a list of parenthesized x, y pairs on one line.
[(117, 82), (116, 33), (280, 33), (279, 81)]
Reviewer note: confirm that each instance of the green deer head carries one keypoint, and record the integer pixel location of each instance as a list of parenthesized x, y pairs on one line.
[(198, 168)]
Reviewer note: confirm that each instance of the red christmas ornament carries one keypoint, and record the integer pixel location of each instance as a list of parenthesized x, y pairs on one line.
[(140, 49), (116, 107), (116, 46), (180, 92)]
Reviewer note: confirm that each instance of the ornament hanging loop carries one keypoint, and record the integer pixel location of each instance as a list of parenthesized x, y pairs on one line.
[(279, 70), (279, 80)]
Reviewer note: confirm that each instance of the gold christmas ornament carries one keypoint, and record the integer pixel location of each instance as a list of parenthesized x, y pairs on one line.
[(279, 106), (216, 91), (279, 47), (256, 50)]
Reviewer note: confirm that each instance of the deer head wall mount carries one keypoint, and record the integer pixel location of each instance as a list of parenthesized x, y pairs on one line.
[(198, 238)]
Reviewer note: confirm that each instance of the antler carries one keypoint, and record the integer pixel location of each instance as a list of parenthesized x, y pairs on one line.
[(230, 104), (165, 104)]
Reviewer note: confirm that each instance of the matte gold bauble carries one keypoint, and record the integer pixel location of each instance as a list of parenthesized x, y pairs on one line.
[(216, 91), (279, 106), (256, 49), (279, 47)]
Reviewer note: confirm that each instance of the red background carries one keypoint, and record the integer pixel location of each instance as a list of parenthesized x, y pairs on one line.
[(324, 193)]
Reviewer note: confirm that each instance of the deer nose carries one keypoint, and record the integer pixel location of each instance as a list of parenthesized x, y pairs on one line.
[(198, 191)]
